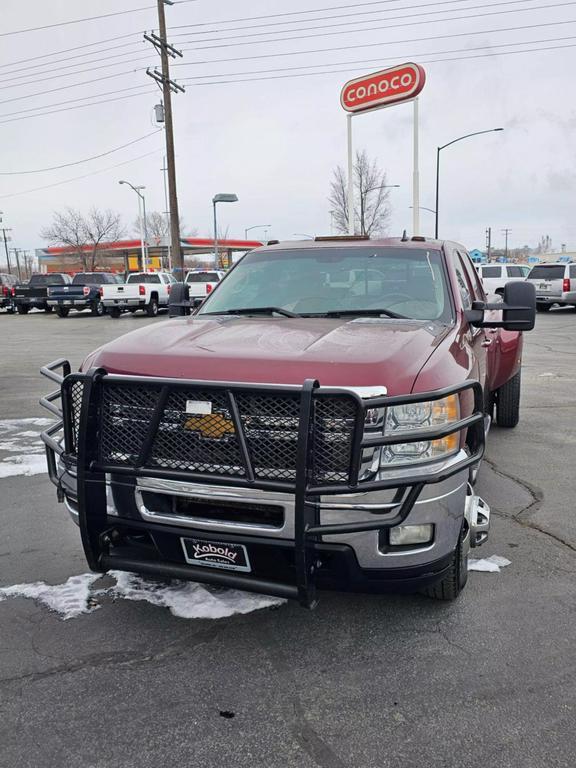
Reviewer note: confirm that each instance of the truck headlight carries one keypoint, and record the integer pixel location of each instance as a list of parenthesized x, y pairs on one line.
[(401, 419)]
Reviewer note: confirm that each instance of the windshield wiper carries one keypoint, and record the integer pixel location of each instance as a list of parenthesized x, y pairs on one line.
[(255, 311), (359, 312)]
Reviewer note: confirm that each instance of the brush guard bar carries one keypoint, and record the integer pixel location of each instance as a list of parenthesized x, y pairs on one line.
[(81, 445)]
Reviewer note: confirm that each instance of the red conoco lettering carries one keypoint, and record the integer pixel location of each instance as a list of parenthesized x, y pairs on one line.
[(406, 79)]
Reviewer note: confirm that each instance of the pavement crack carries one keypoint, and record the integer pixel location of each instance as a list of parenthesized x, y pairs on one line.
[(130, 658), (304, 733), (523, 516)]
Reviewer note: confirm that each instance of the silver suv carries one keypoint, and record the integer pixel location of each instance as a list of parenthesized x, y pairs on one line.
[(555, 284)]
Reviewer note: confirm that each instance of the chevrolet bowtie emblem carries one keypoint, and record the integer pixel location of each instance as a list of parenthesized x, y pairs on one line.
[(213, 426)]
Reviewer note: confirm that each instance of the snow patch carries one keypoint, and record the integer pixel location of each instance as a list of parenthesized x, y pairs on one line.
[(69, 600), (22, 438), (186, 600), (23, 465), (492, 564)]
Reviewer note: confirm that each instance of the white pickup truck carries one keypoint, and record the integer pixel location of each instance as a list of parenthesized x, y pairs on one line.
[(201, 282), (149, 291)]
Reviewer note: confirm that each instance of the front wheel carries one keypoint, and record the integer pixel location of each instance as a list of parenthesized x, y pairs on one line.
[(152, 308), (23, 309), (62, 311), (508, 403), (455, 579), (114, 312)]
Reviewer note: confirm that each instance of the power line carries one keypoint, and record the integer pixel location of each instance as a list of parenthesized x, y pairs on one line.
[(70, 74), (286, 13), (67, 50), (326, 18), (390, 26), (370, 61), (85, 160), (423, 61), (6, 75), (370, 21), (139, 59), (74, 101), (84, 176), (67, 87), (75, 21), (380, 43), (80, 106)]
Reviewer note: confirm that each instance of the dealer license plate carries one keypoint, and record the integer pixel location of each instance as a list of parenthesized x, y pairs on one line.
[(544, 287), (216, 554)]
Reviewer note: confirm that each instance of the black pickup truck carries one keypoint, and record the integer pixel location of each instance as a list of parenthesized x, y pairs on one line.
[(34, 293), (83, 293)]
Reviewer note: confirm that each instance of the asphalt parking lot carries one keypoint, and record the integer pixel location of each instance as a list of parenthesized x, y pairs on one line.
[(367, 681)]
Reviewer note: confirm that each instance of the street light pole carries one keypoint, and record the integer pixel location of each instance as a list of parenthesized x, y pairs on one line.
[(222, 197), (364, 195), (142, 221), (255, 226), (438, 150)]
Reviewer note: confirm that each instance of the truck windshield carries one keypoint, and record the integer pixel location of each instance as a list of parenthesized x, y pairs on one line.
[(144, 277), (54, 279), (90, 278), (316, 281)]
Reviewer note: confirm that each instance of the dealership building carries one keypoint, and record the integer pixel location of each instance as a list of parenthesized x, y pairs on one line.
[(126, 255)]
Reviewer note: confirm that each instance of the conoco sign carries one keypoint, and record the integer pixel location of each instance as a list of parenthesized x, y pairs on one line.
[(389, 86)]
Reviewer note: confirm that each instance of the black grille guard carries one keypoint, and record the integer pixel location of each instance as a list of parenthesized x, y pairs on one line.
[(82, 439)]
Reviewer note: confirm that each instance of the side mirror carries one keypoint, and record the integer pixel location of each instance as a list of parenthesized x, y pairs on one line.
[(178, 301), (518, 309)]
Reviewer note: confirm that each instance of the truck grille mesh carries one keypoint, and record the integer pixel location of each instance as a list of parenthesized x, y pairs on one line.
[(208, 444)]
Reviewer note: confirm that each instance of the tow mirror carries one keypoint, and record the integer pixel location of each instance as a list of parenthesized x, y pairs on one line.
[(518, 309)]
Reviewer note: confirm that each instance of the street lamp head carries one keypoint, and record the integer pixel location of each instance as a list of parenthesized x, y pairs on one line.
[(224, 197), (498, 129), (122, 182)]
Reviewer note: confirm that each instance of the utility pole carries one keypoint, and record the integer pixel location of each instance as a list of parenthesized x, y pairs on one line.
[(168, 87), (17, 263), (6, 249), (488, 243), (506, 233)]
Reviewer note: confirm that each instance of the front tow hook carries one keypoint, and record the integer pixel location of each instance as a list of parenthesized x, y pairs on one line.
[(478, 517)]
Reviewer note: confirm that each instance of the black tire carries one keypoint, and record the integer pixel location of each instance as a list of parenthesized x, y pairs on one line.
[(114, 312), (97, 309), (152, 307), (62, 311), (22, 309), (48, 310), (508, 403), (455, 580), (543, 307)]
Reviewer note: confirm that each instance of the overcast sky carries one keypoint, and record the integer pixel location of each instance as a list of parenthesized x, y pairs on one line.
[(274, 142)]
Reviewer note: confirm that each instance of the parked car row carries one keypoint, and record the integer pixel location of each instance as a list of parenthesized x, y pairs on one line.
[(555, 283), (100, 292)]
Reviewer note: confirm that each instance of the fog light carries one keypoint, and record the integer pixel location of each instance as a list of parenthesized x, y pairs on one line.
[(403, 535)]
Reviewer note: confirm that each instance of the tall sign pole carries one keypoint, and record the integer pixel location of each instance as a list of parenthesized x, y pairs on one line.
[(350, 177), (396, 85), (416, 174)]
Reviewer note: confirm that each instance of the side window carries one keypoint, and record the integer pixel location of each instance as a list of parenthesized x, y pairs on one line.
[(463, 285), (514, 272), (473, 279), (573, 271)]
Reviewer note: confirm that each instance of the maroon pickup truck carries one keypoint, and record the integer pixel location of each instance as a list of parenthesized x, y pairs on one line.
[(317, 423)]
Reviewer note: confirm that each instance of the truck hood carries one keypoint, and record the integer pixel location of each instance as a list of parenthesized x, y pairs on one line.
[(337, 352)]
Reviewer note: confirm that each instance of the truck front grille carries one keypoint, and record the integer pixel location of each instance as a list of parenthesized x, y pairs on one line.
[(209, 444)]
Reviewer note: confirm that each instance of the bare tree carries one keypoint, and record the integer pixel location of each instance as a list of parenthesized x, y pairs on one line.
[(68, 229), (158, 226), (102, 228), (371, 198)]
